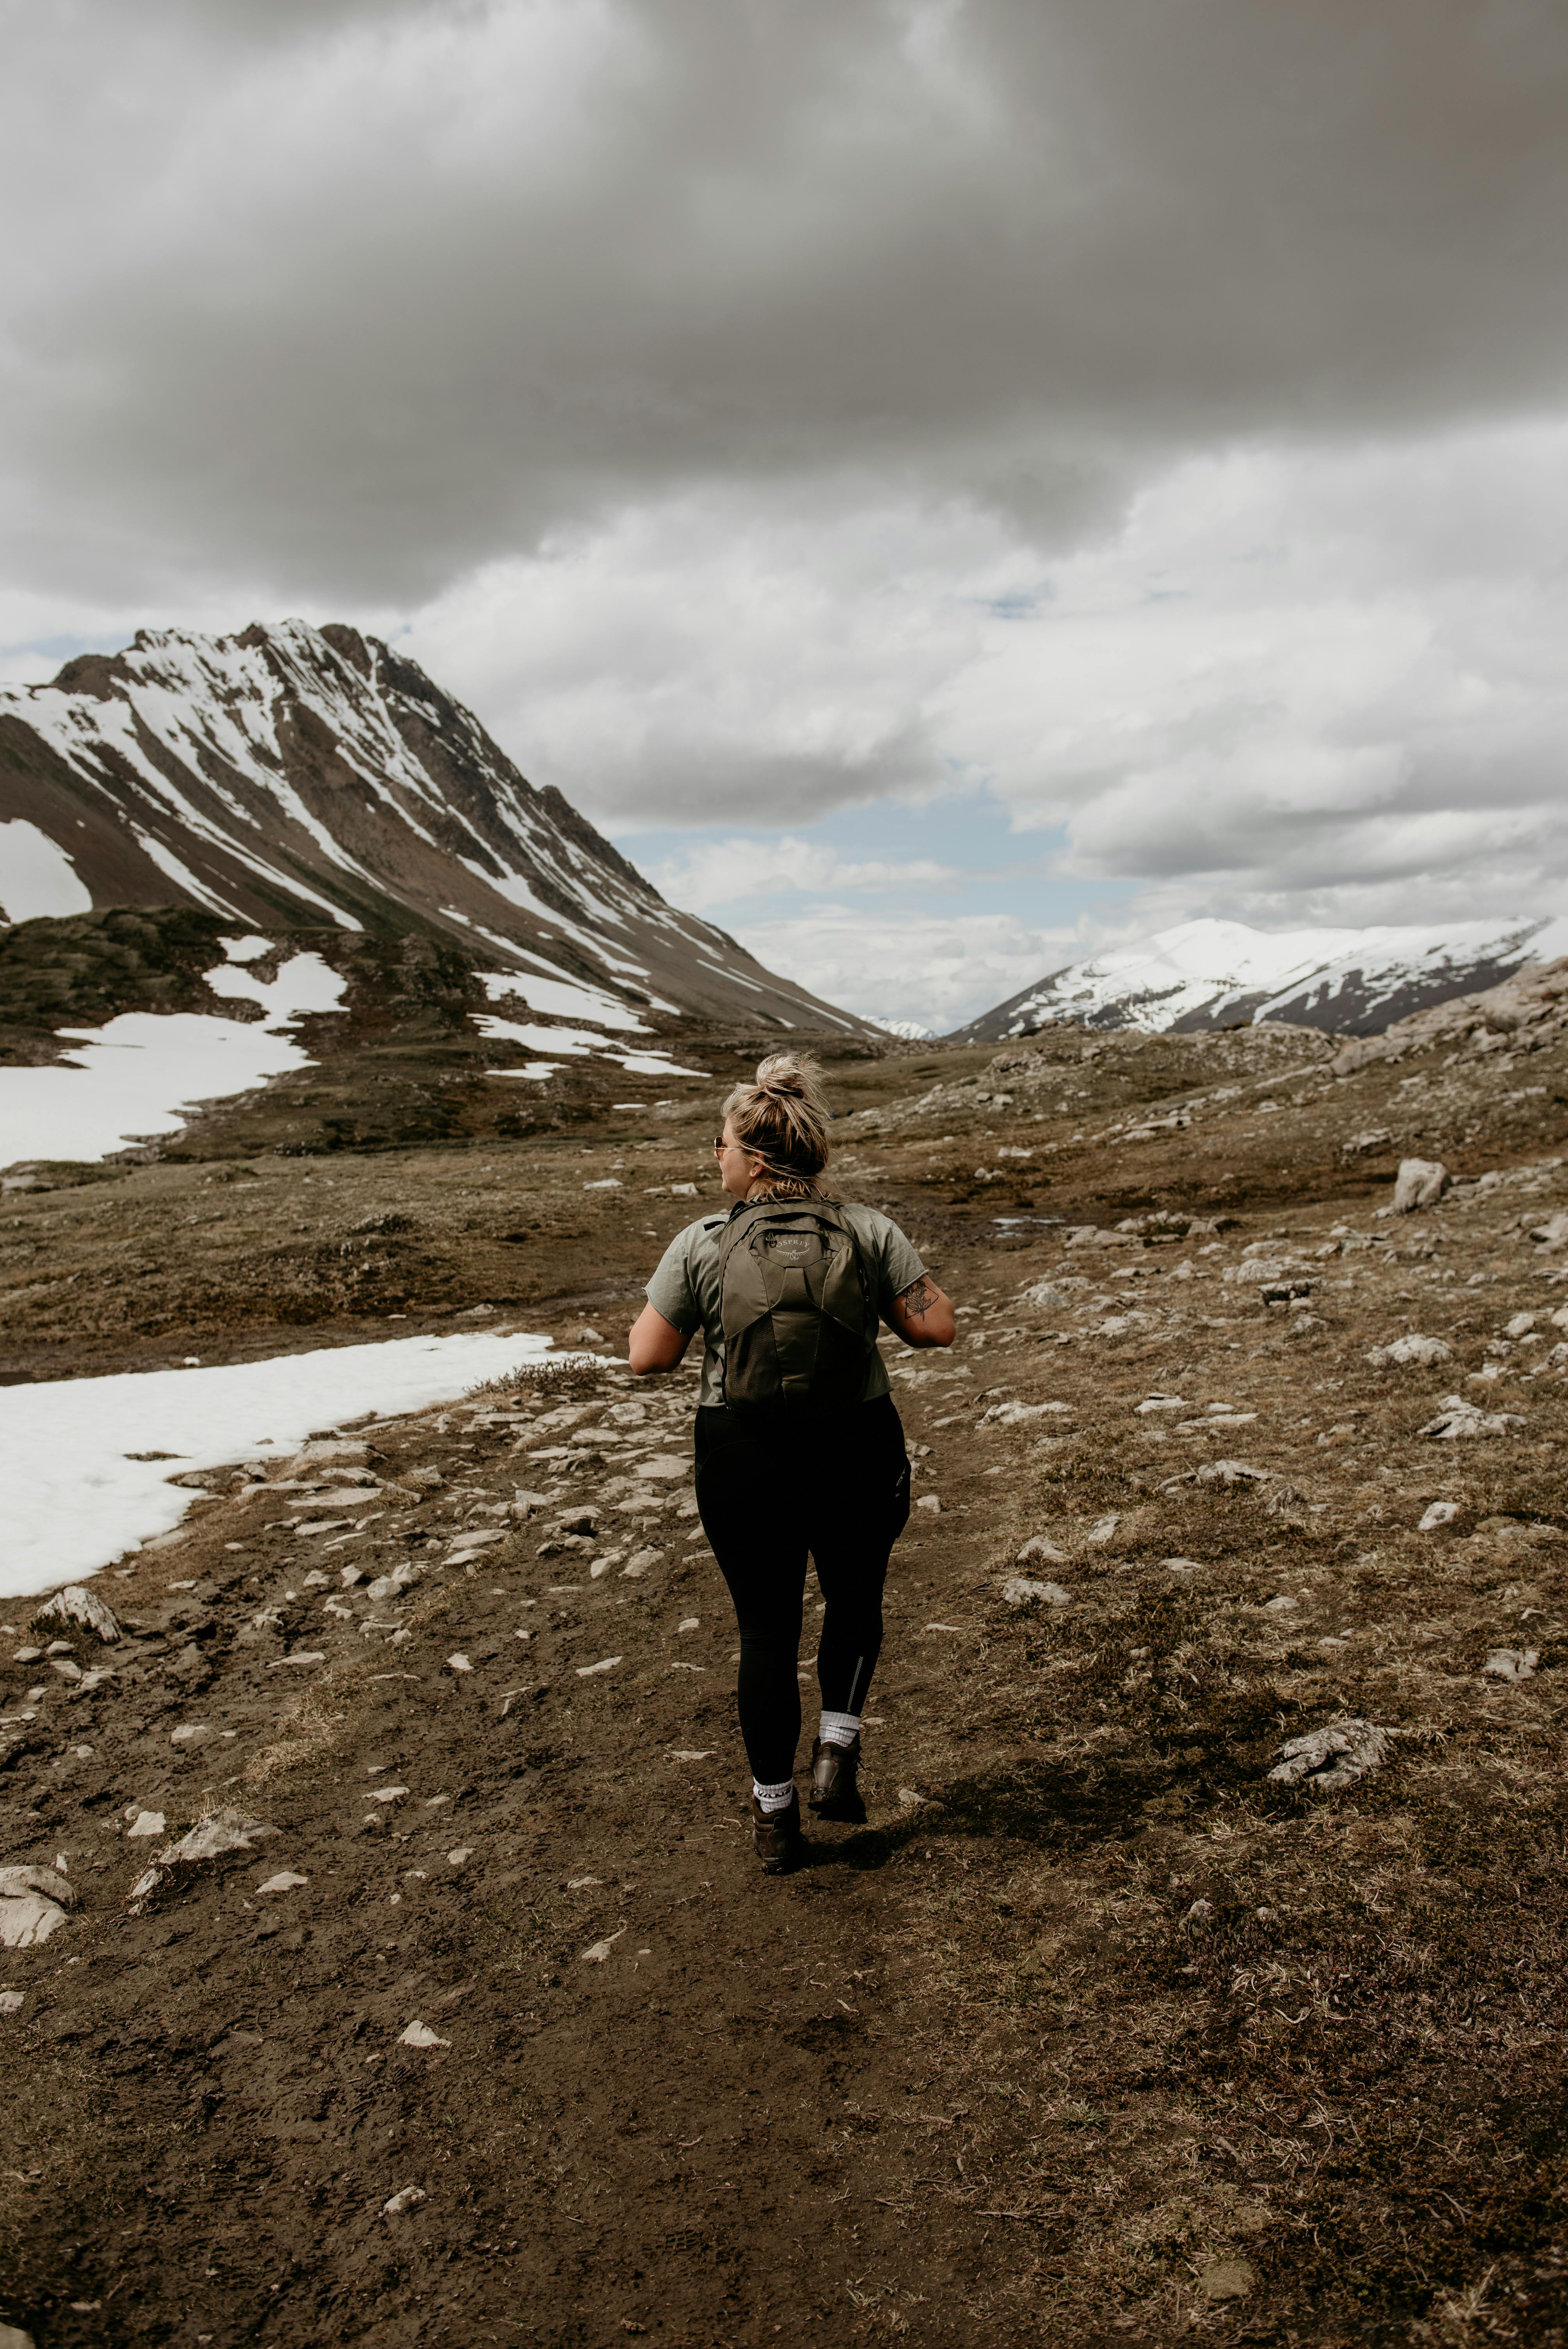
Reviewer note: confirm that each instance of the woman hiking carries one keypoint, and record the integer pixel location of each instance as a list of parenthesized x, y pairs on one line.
[(799, 1446)]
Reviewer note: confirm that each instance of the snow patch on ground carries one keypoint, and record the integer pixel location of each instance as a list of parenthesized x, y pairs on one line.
[(143, 1074), (573, 1041), (72, 1501), (562, 999)]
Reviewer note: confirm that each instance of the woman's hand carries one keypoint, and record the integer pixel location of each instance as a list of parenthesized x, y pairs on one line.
[(655, 1344), (922, 1316)]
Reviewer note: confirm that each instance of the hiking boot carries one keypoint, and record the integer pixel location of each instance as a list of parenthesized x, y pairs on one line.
[(776, 1835), (834, 1794)]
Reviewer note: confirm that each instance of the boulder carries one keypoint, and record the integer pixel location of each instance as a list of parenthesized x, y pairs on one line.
[(33, 1905), (81, 1608), (1420, 1182)]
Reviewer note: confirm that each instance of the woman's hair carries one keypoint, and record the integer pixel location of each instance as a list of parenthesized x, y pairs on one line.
[(783, 1120)]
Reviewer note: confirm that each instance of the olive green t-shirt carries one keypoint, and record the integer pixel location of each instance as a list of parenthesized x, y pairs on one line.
[(685, 1288)]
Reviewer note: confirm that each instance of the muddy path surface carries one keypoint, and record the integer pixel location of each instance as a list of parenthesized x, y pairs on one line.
[(1097, 2030)]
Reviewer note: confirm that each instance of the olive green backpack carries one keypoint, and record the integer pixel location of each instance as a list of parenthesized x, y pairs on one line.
[(796, 1303)]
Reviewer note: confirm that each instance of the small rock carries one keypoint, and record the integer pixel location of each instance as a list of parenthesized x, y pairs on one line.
[(1336, 1756), (285, 1881), (1420, 1182), (222, 1831), (929, 1501), (404, 2199), (384, 1794), (1102, 1531), (11, 2001), (1162, 1403), (1015, 1414), (419, 2034), (146, 1823), (638, 1564), (1512, 1664), (665, 1465), (1412, 1348), (605, 1664), (1438, 1513), (1018, 1590), (1458, 1420), (458, 1664), (11, 2335), (458, 1854), (33, 1905), (1199, 1913), (1045, 1297), (1553, 1233), (83, 1608), (596, 1954), (1038, 1548), (191, 1732)]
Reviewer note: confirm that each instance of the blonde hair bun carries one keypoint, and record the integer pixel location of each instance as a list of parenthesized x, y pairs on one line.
[(783, 1119), (795, 1073)]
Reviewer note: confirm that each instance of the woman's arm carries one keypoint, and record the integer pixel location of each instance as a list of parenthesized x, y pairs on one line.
[(922, 1316), (655, 1344)]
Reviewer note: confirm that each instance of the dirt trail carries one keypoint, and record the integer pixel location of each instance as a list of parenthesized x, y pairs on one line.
[(1095, 2032)]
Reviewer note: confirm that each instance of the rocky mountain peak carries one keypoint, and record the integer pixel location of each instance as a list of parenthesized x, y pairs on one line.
[(290, 776)]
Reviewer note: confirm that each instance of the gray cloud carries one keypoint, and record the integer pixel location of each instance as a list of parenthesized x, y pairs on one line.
[(340, 301)]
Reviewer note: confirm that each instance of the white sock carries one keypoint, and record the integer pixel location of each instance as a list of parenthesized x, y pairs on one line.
[(839, 1728), (775, 1798)]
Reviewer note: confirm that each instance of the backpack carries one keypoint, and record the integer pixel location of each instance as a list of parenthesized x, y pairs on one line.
[(796, 1304)]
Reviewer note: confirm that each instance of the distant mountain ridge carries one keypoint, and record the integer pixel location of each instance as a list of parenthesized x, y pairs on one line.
[(292, 776), (1215, 974)]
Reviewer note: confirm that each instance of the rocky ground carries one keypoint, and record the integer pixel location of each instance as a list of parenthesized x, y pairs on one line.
[(465, 2016)]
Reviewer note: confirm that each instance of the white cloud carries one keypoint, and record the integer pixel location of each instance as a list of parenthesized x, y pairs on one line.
[(721, 873), (1155, 416), (911, 964)]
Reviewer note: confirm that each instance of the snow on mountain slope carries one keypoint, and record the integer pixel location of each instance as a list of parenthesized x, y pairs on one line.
[(1214, 974), (292, 776), (140, 1076)]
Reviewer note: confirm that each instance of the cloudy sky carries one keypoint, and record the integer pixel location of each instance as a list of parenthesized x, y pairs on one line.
[(943, 482)]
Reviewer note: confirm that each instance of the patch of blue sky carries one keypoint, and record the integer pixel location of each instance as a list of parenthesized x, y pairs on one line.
[(35, 660), (955, 850)]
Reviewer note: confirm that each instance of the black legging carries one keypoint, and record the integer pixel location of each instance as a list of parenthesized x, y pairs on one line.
[(768, 1490)]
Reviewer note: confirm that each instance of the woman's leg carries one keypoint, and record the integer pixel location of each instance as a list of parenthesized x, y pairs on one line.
[(854, 1523), (759, 1536)]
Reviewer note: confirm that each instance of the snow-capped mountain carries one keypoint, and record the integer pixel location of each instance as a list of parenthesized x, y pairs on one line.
[(294, 776), (1213, 974), (910, 1029)]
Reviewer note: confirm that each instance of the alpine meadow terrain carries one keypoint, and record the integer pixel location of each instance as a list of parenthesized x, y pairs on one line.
[(389, 1961)]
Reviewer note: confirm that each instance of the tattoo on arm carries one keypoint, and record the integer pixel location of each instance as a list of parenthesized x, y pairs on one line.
[(918, 1299)]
